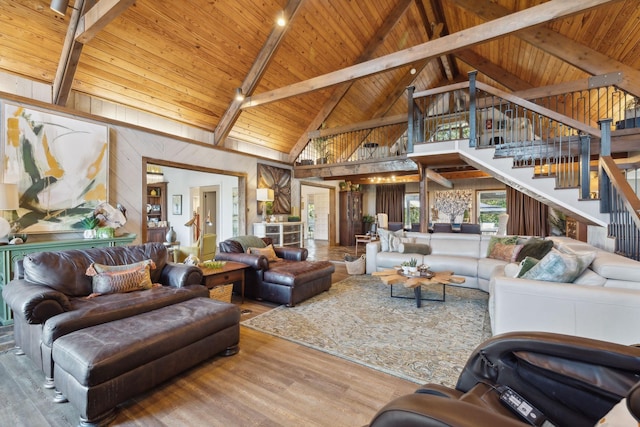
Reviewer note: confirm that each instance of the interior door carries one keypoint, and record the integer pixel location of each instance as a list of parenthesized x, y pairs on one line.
[(209, 212)]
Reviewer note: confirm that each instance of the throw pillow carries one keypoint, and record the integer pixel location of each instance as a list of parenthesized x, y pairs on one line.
[(505, 252), (508, 240), (385, 236), (414, 248), (560, 267), (268, 252), (96, 268), (526, 265), (511, 270), (121, 281), (536, 248), (395, 242), (249, 242)]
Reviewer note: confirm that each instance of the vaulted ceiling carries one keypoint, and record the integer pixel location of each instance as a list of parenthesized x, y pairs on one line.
[(184, 59)]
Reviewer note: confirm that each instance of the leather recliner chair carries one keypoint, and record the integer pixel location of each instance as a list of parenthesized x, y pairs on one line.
[(572, 381)]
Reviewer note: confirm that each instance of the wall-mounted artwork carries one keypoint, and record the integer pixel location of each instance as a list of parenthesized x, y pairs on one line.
[(279, 180), (60, 164)]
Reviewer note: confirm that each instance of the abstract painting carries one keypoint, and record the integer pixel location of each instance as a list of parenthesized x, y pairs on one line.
[(60, 164)]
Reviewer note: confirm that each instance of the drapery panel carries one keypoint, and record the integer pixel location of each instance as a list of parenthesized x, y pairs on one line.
[(390, 200), (527, 216)]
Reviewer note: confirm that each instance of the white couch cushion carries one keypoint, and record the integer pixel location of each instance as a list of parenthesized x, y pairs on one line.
[(616, 267), (394, 259), (465, 245), (460, 265), (486, 267)]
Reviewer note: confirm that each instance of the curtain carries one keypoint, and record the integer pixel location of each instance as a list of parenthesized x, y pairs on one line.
[(390, 200), (527, 216)]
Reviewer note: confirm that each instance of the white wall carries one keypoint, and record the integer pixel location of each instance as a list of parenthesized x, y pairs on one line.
[(129, 144)]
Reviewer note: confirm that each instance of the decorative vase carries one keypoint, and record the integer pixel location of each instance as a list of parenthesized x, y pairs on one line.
[(171, 235), (89, 234)]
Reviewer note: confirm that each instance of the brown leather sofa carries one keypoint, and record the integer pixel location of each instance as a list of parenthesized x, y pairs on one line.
[(571, 381), (289, 281), (49, 301)]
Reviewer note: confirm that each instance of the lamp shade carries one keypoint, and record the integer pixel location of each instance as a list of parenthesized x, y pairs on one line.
[(264, 195), (59, 6), (9, 200)]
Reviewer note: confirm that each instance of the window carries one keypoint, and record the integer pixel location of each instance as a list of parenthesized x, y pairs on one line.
[(491, 204), (411, 209)]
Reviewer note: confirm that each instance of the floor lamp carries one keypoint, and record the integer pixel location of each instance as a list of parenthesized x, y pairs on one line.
[(9, 201), (264, 195)]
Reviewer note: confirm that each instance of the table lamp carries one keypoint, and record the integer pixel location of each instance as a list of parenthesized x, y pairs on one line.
[(264, 195), (9, 201)]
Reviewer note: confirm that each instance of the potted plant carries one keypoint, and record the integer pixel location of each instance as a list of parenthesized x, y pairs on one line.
[(89, 223), (413, 265), (368, 220)]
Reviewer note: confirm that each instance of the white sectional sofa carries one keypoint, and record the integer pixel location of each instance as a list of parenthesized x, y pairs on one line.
[(603, 303)]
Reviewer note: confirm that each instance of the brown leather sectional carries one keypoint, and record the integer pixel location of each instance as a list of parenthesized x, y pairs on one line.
[(49, 302)]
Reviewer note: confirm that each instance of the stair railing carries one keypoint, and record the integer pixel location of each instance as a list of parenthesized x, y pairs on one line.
[(618, 199)]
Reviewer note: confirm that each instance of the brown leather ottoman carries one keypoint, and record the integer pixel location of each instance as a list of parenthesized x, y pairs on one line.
[(102, 366), (293, 282)]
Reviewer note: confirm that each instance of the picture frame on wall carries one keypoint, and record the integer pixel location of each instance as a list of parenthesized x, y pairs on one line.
[(176, 203), (60, 164), (279, 180)]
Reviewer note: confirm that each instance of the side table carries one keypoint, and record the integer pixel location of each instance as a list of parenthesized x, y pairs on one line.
[(364, 238), (231, 272)]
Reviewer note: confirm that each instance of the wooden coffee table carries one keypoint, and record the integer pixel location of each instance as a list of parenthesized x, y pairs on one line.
[(231, 272), (394, 277)]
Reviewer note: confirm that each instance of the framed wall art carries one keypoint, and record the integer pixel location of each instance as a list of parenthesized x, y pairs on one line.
[(61, 166), (279, 180), (176, 203)]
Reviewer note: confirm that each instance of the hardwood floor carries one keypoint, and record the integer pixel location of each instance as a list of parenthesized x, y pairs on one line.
[(270, 382)]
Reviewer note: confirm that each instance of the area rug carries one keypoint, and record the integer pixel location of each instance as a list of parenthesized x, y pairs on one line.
[(358, 320)]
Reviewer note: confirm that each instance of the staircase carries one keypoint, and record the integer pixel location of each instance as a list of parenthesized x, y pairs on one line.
[(566, 200)]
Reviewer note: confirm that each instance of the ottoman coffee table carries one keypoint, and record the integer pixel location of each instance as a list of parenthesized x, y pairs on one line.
[(415, 281)]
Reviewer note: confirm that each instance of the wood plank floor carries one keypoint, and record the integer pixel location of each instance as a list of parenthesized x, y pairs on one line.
[(270, 382)]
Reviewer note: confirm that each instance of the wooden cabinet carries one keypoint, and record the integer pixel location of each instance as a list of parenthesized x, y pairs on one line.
[(156, 212), (350, 217), (10, 253), (281, 233)]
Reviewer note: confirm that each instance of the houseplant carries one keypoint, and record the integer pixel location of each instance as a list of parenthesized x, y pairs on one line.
[(367, 221)]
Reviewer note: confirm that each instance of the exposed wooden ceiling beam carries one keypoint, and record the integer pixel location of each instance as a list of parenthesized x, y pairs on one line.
[(517, 21), (339, 92), (492, 70), (447, 63), (553, 43), (70, 55), (99, 17), (255, 73)]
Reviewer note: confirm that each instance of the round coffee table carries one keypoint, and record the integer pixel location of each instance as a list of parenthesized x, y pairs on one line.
[(395, 277)]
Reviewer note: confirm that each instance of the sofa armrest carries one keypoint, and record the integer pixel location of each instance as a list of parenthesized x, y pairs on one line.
[(257, 262), (292, 254), (597, 312), (180, 275), (372, 250), (431, 410), (35, 303)]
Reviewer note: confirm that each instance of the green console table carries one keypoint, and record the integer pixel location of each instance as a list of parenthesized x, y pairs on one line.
[(10, 253)]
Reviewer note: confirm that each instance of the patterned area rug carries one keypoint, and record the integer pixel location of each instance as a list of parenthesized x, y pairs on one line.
[(359, 321)]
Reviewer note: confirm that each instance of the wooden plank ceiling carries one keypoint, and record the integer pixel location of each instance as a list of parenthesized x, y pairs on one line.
[(183, 59)]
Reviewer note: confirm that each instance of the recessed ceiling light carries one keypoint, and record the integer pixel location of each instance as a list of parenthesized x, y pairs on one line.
[(281, 21), (413, 71)]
